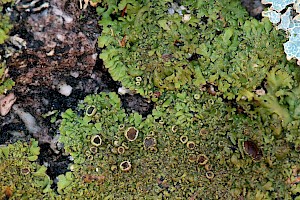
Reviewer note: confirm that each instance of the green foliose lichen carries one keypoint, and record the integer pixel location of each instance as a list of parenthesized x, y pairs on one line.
[(156, 46), (20, 176), (243, 154), (280, 102), (195, 144)]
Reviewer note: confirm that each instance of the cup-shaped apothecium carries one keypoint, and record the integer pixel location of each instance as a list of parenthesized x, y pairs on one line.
[(202, 159), (184, 139), (91, 111), (121, 149), (125, 166), (93, 150), (203, 132), (25, 171), (209, 175), (190, 145), (131, 134), (96, 140), (121, 127)]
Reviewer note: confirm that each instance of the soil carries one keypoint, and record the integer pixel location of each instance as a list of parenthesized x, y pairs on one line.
[(58, 46)]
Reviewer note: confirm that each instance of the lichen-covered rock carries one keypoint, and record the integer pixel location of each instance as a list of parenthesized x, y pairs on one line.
[(158, 46), (224, 154), (287, 21), (191, 58)]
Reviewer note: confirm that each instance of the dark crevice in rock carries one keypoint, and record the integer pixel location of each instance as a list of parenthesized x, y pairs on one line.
[(137, 103), (254, 8), (56, 164)]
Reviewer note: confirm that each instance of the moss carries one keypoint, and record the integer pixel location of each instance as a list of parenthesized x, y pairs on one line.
[(20, 176)]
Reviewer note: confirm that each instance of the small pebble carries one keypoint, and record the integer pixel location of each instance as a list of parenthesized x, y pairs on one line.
[(6, 103), (65, 89)]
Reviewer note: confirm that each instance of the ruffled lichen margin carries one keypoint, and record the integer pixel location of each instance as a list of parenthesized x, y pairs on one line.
[(226, 118)]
